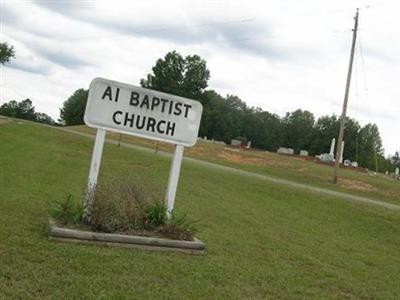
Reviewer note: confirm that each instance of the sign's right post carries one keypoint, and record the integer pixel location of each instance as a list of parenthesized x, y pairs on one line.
[(173, 179)]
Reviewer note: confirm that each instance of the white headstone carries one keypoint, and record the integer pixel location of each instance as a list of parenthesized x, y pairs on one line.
[(248, 145), (283, 150), (396, 172), (326, 157), (236, 143), (303, 153)]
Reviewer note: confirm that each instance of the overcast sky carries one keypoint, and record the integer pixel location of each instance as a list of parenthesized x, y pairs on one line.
[(277, 55)]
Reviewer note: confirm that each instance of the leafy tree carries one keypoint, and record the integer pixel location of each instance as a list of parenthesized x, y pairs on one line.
[(395, 159), (212, 124), (325, 129), (370, 146), (9, 109), (6, 53), (351, 139), (298, 129), (180, 76), (269, 136), (21, 110), (44, 118), (74, 108), (24, 110)]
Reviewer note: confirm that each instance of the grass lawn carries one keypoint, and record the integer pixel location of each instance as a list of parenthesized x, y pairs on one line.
[(264, 240)]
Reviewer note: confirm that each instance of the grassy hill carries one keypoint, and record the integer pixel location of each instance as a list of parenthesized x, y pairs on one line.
[(264, 240)]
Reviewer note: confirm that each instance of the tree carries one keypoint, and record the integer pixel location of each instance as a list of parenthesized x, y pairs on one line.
[(269, 136), (370, 146), (74, 108), (24, 110), (395, 159), (44, 118), (21, 110), (9, 109), (6, 53), (325, 129), (298, 130), (186, 77)]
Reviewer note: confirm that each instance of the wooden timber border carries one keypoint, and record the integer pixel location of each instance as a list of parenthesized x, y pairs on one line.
[(75, 236)]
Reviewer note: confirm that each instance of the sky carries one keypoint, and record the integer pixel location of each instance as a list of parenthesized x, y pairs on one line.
[(276, 55)]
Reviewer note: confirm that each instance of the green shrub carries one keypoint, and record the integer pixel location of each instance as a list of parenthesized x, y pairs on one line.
[(67, 211)]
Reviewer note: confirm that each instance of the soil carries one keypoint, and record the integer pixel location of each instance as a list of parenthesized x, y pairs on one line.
[(356, 185)]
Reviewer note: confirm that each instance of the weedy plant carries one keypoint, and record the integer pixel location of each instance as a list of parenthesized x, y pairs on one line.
[(67, 211), (120, 205)]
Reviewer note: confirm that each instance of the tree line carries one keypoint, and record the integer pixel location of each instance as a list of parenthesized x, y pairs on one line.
[(229, 117)]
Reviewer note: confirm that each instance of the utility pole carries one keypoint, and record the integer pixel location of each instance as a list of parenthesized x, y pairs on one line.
[(346, 98)]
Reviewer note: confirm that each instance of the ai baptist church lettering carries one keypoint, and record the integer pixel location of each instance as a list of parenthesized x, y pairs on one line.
[(138, 111), (144, 101)]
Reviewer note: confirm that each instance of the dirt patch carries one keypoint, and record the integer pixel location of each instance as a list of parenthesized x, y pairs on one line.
[(255, 160), (4, 120), (356, 185), (342, 166), (197, 151), (237, 158)]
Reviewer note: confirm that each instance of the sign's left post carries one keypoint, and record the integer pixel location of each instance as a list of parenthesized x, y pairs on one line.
[(93, 174)]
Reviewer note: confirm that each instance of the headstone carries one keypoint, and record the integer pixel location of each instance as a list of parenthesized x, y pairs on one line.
[(303, 153), (236, 143), (283, 150), (248, 145), (332, 150), (354, 164), (327, 157), (396, 172)]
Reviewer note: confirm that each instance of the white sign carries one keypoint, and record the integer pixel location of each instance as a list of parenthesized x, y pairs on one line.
[(142, 112)]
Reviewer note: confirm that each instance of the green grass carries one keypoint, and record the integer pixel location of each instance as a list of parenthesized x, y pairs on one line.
[(264, 240)]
